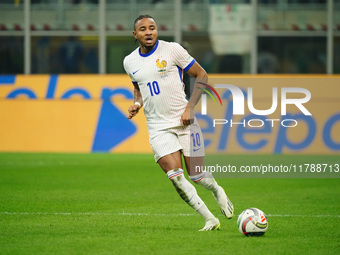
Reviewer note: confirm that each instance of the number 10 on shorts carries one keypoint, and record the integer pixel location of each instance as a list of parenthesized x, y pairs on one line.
[(196, 140)]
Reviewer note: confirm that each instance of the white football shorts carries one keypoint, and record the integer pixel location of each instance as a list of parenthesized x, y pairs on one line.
[(188, 139)]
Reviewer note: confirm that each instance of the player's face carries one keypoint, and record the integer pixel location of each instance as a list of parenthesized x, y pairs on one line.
[(146, 33)]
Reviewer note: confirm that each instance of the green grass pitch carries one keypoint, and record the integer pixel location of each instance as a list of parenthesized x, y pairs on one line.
[(124, 204)]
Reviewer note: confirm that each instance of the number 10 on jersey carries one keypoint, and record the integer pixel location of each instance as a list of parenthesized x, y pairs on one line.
[(154, 88)]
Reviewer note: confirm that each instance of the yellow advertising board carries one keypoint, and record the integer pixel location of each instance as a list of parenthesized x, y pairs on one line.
[(87, 113), (69, 113)]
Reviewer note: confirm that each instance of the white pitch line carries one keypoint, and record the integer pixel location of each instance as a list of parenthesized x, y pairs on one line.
[(159, 214), (97, 213), (301, 216)]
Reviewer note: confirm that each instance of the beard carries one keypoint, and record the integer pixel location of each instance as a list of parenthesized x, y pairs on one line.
[(148, 47)]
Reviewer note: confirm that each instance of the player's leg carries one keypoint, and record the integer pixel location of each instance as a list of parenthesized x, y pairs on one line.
[(193, 150), (171, 165), (207, 181), (167, 154), (171, 161)]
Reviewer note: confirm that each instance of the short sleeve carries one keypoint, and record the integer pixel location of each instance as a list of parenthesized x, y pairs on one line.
[(125, 64), (182, 57)]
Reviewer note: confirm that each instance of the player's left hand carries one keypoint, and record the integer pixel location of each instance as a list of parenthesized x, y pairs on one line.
[(186, 118)]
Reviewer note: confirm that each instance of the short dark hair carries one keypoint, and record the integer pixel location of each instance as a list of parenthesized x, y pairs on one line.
[(140, 17)]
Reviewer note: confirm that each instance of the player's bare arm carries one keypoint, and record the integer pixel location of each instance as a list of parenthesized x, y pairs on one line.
[(201, 76), (134, 109)]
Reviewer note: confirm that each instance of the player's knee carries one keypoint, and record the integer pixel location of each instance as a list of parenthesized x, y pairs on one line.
[(170, 162)]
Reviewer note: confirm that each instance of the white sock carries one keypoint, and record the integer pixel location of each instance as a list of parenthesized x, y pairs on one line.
[(188, 192), (205, 180)]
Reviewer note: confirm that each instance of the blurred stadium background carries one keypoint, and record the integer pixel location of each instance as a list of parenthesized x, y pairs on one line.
[(263, 36)]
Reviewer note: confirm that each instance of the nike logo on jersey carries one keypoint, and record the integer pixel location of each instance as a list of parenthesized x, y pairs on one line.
[(135, 72), (197, 149)]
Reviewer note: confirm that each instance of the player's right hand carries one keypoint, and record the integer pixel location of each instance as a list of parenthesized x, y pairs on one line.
[(133, 110)]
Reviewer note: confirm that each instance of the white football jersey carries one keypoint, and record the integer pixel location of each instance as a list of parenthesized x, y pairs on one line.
[(159, 77)]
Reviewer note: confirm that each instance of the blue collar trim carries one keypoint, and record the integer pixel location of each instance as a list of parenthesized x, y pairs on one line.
[(148, 54)]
